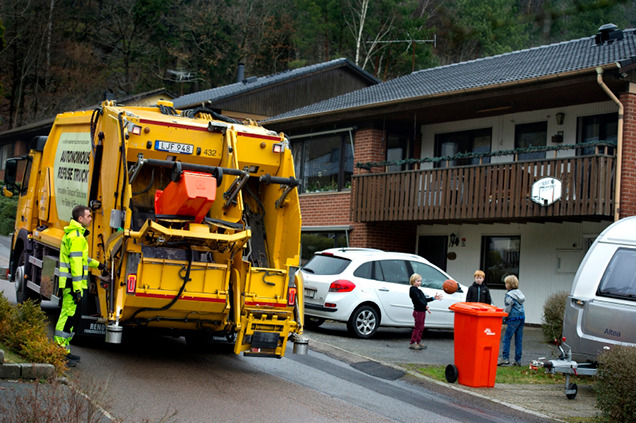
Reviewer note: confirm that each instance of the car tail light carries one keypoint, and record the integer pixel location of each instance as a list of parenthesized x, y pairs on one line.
[(331, 305), (291, 296), (341, 285)]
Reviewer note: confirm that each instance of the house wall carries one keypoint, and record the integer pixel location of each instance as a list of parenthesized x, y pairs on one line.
[(279, 98), (326, 209), (543, 247), (628, 173), (503, 128), (393, 236)]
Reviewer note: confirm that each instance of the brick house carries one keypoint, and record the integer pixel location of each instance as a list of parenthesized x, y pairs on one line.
[(512, 163)]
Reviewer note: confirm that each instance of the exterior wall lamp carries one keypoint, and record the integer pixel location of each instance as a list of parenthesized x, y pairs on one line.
[(454, 240), (559, 118)]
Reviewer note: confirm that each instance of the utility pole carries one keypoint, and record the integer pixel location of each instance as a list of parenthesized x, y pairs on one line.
[(411, 43)]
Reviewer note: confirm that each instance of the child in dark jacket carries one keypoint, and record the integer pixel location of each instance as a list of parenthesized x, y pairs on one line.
[(478, 292), (420, 307)]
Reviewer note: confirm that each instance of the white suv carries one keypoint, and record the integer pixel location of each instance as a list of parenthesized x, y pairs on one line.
[(368, 288)]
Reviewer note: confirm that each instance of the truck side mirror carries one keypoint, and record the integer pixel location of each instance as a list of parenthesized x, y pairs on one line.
[(10, 172)]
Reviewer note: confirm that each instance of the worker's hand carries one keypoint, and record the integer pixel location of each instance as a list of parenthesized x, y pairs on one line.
[(77, 296), (101, 266)]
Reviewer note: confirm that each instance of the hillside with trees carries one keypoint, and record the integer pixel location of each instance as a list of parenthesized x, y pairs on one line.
[(58, 55)]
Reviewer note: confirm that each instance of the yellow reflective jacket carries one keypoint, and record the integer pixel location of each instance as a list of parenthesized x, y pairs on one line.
[(74, 259)]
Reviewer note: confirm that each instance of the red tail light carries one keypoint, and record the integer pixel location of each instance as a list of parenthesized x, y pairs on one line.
[(131, 283), (291, 296), (342, 285)]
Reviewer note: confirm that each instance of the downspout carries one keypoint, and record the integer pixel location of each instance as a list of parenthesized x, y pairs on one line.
[(619, 143)]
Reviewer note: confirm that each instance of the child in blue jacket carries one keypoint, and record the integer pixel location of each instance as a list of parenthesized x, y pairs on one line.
[(513, 305)]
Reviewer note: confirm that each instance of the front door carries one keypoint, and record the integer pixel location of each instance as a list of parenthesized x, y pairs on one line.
[(433, 249)]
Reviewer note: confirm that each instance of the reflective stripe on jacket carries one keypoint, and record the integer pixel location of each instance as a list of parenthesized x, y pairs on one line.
[(74, 259)]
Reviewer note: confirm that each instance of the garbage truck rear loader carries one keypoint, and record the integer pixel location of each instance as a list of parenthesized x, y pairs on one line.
[(196, 216)]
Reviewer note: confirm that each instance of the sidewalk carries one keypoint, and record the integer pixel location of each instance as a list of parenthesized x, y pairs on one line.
[(547, 401)]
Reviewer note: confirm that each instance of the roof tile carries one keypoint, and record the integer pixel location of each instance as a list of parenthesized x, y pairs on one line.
[(553, 59)]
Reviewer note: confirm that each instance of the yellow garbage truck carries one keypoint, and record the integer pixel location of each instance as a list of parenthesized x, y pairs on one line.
[(195, 215)]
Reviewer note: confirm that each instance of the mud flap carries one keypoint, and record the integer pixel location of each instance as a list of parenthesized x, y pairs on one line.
[(87, 324)]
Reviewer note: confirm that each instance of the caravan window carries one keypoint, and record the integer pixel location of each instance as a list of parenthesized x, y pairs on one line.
[(619, 280)]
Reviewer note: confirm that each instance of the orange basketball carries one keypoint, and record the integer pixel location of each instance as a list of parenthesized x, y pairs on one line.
[(449, 286)]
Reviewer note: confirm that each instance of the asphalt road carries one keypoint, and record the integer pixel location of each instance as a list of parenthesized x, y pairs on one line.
[(341, 379), (160, 379)]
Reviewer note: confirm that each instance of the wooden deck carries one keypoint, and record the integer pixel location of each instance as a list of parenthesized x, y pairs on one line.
[(492, 192)]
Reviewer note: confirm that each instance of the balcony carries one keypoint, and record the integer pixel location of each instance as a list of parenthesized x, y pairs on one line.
[(498, 192)]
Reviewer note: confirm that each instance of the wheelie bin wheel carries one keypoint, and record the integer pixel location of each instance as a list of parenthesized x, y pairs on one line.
[(451, 373), (571, 391)]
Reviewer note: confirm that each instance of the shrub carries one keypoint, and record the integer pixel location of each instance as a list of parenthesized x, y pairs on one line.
[(553, 311), (8, 210), (615, 393), (23, 329)]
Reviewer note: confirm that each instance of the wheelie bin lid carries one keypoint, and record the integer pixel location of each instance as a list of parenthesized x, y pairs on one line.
[(478, 309)]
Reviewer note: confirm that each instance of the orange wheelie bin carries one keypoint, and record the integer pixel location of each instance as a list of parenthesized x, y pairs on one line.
[(477, 336)]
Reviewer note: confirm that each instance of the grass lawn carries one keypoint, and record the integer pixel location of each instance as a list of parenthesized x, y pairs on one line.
[(10, 356), (507, 374)]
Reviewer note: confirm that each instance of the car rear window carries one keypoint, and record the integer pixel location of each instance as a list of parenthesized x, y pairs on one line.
[(619, 279), (326, 265)]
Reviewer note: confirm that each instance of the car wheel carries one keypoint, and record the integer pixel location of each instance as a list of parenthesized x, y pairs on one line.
[(313, 322), (364, 322)]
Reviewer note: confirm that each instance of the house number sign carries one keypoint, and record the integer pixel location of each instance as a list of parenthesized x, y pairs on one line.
[(546, 191)]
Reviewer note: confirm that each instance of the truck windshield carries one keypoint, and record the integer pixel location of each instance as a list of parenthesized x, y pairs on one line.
[(619, 280)]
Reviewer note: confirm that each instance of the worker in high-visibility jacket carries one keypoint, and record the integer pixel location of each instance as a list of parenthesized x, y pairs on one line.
[(73, 277)]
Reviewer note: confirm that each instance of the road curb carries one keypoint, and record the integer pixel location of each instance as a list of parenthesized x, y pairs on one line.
[(31, 371), (338, 352)]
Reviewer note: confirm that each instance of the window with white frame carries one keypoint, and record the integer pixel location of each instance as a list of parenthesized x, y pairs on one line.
[(531, 135), (500, 258), (596, 128), (5, 153), (474, 141), (312, 241), (324, 162)]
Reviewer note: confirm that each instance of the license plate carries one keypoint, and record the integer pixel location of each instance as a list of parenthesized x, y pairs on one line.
[(310, 293), (174, 147)]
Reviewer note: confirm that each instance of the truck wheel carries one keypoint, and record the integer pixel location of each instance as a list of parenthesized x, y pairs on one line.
[(199, 342), (364, 322), (22, 293)]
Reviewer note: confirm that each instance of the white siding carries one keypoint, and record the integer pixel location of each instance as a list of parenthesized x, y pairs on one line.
[(538, 275), (503, 128)]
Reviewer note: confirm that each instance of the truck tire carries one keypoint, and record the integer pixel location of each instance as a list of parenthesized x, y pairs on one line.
[(199, 342), (22, 293), (364, 322)]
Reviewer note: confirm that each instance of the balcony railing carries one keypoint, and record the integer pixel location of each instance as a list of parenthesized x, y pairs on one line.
[(490, 192)]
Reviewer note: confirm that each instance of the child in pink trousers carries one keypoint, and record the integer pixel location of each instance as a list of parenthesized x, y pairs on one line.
[(420, 307)]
